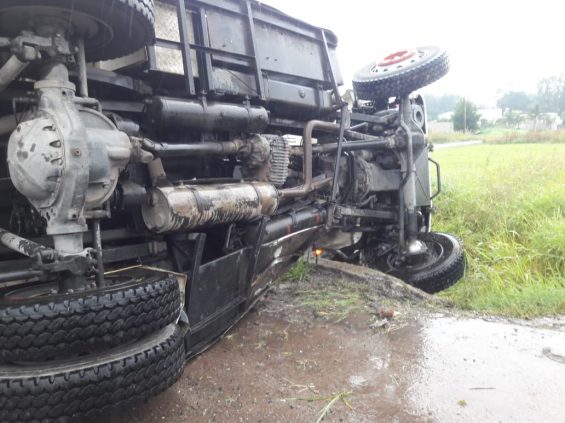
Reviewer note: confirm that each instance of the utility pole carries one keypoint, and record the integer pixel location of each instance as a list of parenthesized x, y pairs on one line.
[(464, 115)]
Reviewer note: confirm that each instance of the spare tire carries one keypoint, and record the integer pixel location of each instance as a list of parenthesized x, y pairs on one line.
[(442, 265), (111, 28), (94, 384), (400, 73), (37, 326)]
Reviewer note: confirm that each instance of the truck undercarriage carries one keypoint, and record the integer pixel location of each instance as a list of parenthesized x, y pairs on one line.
[(165, 162)]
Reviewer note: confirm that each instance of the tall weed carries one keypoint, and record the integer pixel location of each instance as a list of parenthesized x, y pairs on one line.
[(507, 204)]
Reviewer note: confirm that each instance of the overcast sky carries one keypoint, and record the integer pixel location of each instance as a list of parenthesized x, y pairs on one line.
[(493, 44)]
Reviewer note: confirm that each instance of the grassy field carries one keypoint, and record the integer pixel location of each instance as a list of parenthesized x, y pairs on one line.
[(507, 204), (502, 136)]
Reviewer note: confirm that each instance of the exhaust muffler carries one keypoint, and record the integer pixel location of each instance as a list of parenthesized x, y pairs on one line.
[(185, 207)]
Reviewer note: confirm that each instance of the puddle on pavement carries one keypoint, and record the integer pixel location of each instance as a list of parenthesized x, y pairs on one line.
[(479, 371)]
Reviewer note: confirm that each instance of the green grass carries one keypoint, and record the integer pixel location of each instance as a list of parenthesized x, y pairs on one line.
[(300, 272), (507, 204), (499, 135)]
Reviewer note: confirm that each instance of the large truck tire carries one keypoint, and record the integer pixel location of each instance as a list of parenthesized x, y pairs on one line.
[(111, 28), (35, 327), (442, 266), (400, 73), (93, 384)]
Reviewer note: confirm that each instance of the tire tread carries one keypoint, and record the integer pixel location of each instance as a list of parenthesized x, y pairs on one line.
[(37, 330), (402, 83), (94, 389)]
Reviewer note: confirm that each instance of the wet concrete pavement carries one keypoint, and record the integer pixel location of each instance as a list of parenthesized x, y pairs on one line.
[(480, 371), (285, 361)]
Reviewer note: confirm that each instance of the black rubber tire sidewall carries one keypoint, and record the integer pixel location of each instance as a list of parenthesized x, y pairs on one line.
[(132, 22), (92, 385), (439, 275), (57, 326), (370, 86)]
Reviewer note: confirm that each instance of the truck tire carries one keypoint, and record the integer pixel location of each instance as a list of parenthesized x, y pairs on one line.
[(94, 384), (400, 73), (443, 265), (113, 28), (54, 326)]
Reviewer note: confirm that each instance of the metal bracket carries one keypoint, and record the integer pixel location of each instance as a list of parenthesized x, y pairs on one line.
[(438, 178), (185, 47), (255, 53), (341, 211), (29, 47)]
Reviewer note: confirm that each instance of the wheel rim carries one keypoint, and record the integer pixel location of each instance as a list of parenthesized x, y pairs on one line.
[(397, 57), (435, 253), (42, 290)]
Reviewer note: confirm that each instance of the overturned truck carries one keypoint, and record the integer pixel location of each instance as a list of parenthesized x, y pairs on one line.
[(164, 162)]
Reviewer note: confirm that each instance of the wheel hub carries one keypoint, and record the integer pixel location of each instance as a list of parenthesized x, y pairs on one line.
[(397, 57), (416, 248), (433, 251)]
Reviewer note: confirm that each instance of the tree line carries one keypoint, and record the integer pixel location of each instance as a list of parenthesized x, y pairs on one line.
[(549, 98)]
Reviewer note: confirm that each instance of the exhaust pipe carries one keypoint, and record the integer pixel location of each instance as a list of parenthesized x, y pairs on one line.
[(194, 206)]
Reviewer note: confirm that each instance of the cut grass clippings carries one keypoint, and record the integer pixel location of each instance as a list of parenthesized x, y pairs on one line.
[(342, 396), (507, 204), (335, 303)]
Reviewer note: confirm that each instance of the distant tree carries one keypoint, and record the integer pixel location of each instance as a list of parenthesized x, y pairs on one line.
[(438, 104), (466, 116), (551, 94), (516, 100), (485, 123), (513, 119)]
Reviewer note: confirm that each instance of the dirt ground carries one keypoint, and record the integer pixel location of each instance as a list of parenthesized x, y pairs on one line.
[(338, 343)]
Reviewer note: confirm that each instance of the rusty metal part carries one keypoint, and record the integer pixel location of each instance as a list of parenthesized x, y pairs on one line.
[(224, 148), (46, 259), (306, 187), (265, 158), (279, 160), (25, 246), (308, 148), (179, 114), (188, 207)]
